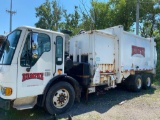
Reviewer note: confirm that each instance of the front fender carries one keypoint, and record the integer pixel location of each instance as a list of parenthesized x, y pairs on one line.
[(75, 85), (56, 79)]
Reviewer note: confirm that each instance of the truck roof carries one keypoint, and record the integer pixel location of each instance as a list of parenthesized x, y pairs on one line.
[(101, 32), (116, 30), (113, 32), (39, 29)]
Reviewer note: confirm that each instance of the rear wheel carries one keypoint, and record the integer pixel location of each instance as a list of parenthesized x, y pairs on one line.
[(147, 81), (136, 83), (60, 98)]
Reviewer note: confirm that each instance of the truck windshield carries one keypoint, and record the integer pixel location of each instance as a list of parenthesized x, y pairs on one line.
[(9, 46)]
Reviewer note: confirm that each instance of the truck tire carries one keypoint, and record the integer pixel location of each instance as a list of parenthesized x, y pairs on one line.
[(60, 98), (136, 83), (147, 81)]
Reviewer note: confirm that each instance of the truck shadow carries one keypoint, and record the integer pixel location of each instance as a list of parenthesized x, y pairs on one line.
[(99, 103)]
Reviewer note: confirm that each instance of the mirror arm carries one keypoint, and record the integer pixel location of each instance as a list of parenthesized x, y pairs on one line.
[(31, 50), (28, 69), (30, 55)]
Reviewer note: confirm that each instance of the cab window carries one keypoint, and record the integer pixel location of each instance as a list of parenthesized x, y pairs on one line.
[(43, 44), (59, 50)]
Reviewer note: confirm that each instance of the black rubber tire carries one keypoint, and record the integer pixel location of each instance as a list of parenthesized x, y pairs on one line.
[(147, 81), (50, 107), (136, 83)]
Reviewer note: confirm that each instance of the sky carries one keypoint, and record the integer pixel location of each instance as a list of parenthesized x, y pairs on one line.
[(25, 12)]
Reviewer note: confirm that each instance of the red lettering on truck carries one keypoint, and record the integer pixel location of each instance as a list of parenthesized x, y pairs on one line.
[(28, 76), (138, 50)]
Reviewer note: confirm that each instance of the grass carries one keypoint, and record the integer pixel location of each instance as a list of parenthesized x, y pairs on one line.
[(157, 83)]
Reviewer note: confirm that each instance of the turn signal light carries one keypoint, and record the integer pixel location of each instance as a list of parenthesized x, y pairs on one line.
[(6, 91), (59, 71)]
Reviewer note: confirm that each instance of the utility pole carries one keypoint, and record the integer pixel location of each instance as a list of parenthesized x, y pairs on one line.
[(137, 18), (11, 13)]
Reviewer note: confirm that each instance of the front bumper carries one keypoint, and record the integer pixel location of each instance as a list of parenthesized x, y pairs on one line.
[(5, 104)]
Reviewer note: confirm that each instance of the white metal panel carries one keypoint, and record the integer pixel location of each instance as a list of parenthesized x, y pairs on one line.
[(104, 49), (9, 73), (134, 53), (8, 76), (119, 49), (33, 87), (82, 43), (131, 59), (127, 40)]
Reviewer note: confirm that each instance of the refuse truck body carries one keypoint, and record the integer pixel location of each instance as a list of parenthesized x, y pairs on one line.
[(49, 69)]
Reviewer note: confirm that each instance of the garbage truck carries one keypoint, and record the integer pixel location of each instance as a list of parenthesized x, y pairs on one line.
[(49, 69)]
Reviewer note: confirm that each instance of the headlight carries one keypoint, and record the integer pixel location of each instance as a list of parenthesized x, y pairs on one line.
[(6, 91)]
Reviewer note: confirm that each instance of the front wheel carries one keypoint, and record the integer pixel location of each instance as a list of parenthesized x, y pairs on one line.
[(60, 98)]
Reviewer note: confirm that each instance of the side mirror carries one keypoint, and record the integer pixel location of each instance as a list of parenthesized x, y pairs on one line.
[(34, 45), (34, 49)]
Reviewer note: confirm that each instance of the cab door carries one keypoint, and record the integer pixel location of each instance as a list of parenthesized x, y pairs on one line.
[(35, 66)]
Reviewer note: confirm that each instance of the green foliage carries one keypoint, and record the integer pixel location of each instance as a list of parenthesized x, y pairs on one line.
[(157, 39), (71, 21), (115, 12), (87, 22), (123, 12), (157, 79), (150, 20), (99, 13), (49, 14)]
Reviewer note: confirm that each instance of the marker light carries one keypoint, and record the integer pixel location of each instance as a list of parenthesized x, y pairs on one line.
[(59, 71), (6, 91)]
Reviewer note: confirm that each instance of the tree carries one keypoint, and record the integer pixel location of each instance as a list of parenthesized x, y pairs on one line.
[(116, 12), (71, 21), (86, 22), (100, 14), (151, 20), (112, 13), (151, 26), (49, 14)]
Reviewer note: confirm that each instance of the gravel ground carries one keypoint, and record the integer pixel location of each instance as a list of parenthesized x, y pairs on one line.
[(115, 104)]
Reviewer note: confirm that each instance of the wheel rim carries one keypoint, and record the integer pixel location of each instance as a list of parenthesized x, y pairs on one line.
[(148, 81), (139, 83), (61, 98)]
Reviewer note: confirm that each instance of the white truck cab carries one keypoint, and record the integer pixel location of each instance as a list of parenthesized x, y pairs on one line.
[(31, 60)]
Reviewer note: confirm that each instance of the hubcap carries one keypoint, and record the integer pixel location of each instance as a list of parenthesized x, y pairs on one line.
[(61, 98), (148, 81), (139, 83)]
